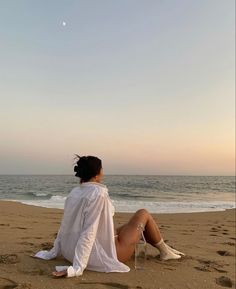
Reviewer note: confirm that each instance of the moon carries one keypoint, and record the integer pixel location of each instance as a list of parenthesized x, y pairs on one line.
[(63, 23)]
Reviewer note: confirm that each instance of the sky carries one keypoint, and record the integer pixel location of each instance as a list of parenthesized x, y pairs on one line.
[(147, 86)]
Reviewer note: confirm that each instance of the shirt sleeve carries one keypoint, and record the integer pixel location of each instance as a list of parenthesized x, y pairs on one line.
[(87, 237), (56, 250), (53, 253)]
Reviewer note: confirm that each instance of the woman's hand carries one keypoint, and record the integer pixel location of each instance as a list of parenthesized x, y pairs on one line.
[(60, 273)]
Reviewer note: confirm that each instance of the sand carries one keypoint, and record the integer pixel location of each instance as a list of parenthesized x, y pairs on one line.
[(208, 239)]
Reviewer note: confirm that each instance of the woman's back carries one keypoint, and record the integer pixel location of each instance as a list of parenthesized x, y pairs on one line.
[(77, 208)]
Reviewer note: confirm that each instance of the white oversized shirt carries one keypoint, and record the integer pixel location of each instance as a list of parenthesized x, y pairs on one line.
[(86, 235)]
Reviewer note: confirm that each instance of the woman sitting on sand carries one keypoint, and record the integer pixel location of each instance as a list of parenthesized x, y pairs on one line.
[(86, 236)]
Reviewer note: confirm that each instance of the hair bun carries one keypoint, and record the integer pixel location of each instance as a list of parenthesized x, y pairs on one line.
[(87, 167), (76, 170), (83, 159)]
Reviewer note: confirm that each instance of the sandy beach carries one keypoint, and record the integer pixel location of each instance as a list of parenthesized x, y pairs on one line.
[(208, 239)]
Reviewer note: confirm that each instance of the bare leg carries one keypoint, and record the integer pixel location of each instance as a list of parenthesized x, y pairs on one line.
[(129, 234)]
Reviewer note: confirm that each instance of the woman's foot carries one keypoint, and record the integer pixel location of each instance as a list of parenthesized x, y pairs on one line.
[(175, 251), (164, 256), (166, 252)]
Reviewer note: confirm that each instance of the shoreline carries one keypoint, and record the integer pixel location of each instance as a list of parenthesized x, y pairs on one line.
[(153, 207), (208, 239)]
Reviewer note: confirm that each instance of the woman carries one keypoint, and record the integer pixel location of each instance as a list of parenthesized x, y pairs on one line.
[(86, 236)]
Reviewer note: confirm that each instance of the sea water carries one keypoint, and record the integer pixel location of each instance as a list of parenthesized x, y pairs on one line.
[(158, 194)]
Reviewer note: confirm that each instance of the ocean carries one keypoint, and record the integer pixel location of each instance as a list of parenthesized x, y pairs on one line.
[(158, 194)]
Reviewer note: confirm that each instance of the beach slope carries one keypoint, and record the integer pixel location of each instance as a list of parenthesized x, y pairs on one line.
[(208, 239)]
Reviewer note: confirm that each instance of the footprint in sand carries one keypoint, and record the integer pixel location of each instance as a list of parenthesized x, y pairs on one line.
[(9, 259), (169, 268), (213, 229), (224, 281), (6, 283), (34, 271), (209, 266), (47, 245), (26, 243), (23, 286), (109, 285), (224, 253), (229, 243), (30, 252)]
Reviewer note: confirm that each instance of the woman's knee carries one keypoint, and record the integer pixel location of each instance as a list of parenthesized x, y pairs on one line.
[(142, 212), (140, 217)]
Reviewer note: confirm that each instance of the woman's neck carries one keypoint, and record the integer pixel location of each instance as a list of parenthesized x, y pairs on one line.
[(92, 180)]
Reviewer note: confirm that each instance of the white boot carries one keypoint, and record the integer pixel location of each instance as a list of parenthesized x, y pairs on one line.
[(175, 251), (165, 252)]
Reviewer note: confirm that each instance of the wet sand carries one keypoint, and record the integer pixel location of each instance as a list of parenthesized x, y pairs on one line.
[(208, 239)]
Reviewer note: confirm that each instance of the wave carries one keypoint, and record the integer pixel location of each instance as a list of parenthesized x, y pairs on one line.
[(131, 196), (130, 206), (172, 207), (38, 195)]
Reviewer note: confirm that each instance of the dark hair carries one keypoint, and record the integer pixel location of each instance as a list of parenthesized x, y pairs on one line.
[(87, 167)]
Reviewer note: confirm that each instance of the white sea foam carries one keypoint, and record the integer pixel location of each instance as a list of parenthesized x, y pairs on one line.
[(54, 202), (158, 194), (152, 207), (41, 194), (172, 207)]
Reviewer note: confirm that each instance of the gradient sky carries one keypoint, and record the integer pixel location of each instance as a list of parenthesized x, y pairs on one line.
[(148, 86)]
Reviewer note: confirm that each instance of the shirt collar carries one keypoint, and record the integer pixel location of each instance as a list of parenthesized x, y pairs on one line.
[(93, 183)]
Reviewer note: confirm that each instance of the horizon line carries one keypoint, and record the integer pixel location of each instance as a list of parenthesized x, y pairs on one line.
[(169, 175)]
